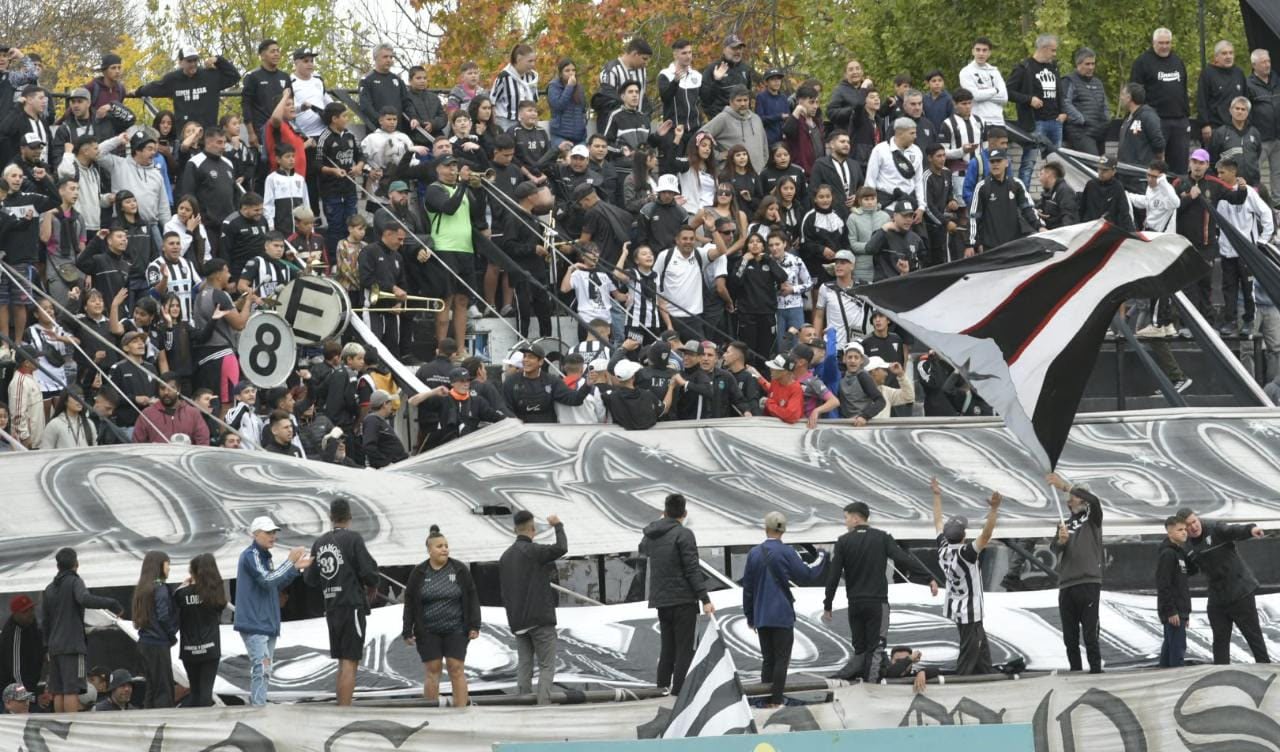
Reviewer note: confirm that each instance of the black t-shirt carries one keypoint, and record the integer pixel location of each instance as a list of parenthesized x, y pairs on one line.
[(201, 641), (441, 598), (889, 347), (1046, 85)]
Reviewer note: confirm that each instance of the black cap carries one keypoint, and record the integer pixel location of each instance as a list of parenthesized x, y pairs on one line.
[(525, 190), (139, 140), (459, 374), (447, 159), (773, 73), (109, 60), (303, 52), (583, 190), (903, 207), (1107, 163), (532, 349), (998, 154)]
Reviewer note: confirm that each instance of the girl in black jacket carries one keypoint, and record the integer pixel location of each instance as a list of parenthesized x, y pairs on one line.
[(200, 602), (157, 625), (780, 167), (441, 616)]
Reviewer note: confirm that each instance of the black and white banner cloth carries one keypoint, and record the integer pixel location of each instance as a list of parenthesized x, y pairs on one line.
[(711, 702), (1024, 321)]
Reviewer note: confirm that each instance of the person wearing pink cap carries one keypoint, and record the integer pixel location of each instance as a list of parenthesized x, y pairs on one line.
[(21, 644), (1196, 223)]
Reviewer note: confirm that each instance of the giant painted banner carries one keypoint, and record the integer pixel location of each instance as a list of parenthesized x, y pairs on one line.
[(114, 504), (1206, 709), (618, 645)]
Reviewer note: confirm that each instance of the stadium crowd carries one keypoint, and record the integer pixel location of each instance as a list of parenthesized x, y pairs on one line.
[(711, 224)]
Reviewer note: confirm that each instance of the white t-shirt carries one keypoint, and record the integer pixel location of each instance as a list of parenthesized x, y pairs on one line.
[(844, 311), (593, 295), (680, 279)]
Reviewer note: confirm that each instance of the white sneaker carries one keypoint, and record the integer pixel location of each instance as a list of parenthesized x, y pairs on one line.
[(1151, 331), (1170, 330), (474, 311), (1182, 386)]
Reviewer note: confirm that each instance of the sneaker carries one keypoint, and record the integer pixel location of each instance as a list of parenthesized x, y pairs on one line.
[(1151, 331), (508, 310), (1184, 333), (1170, 330), (1228, 330), (1182, 385), (474, 312)]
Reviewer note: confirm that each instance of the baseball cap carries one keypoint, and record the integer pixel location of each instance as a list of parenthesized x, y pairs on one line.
[(32, 139), (15, 692), (599, 365), (532, 349), (80, 93), (108, 60), (781, 362), (242, 385), (303, 52), (580, 150), (874, 362), (658, 353), (459, 374), (626, 370), (262, 523), (514, 360), (1106, 163), (525, 190), (1200, 155), (20, 604), (845, 255), (733, 40), (188, 53), (398, 185), (131, 336), (379, 398), (902, 207), (582, 190), (447, 159), (691, 346), (954, 529), (854, 346), (998, 154), (139, 141), (119, 678), (668, 184), (773, 73), (775, 522)]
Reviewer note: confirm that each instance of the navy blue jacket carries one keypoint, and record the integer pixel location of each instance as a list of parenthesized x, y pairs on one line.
[(162, 627), (258, 587), (766, 591)]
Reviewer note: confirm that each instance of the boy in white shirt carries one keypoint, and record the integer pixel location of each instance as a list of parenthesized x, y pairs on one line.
[(592, 287), (384, 147), (284, 191)]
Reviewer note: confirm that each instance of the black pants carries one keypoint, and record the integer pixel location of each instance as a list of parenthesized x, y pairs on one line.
[(1078, 609), (688, 327), (677, 625), (937, 239), (1080, 140), (1200, 291), (532, 302), (1177, 144), (395, 330), (158, 669), (869, 632), (201, 677), (1236, 280), (775, 655), (975, 650), (1243, 613), (758, 331)]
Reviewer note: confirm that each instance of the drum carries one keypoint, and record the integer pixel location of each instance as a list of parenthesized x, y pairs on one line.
[(316, 308), (267, 351)]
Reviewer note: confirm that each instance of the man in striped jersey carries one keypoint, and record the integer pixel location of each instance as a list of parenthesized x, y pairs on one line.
[(173, 273), (630, 67), (958, 558)]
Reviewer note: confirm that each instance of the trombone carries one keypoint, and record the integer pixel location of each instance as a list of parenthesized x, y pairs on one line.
[(478, 178), (377, 295)]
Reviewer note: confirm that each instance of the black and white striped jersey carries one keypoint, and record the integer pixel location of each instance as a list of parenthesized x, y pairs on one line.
[(959, 562), (592, 349), (182, 280), (266, 275), (642, 306)]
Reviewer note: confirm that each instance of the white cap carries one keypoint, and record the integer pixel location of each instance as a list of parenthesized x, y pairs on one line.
[(626, 370), (598, 365), (514, 360), (186, 53), (852, 345), (874, 362), (264, 524), (669, 183), (779, 363), (580, 150)]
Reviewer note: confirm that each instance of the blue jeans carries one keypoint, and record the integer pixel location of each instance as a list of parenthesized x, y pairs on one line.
[(787, 317), (618, 326), (1174, 650), (262, 650), (337, 209), (1050, 129)]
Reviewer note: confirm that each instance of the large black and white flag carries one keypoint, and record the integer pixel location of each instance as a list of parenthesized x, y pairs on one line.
[(711, 702), (1024, 322)]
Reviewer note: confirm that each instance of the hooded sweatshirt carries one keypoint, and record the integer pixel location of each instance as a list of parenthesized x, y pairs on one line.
[(731, 128), (861, 225)]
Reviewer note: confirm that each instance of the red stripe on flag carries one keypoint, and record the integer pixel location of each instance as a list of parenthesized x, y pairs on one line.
[(1066, 298), (1017, 290)]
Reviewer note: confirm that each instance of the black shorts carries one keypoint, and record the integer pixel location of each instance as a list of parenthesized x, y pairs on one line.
[(432, 646), (463, 266), (346, 633), (66, 675)]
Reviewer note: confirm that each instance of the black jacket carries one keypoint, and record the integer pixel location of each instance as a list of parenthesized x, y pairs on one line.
[(756, 284), (659, 223), (1166, 82), (433, 373), (341, 405), (633, 409), (110, 272), (526, 571), (862, 556), (531, 400), (62, 613), (260, 94), (1106, 201), (212, 180), (413, 620), (21, 653), (675, 576), (1244, 146), (1173, 595), (1265, 97), (381, 266), (887, 248), (1001, 213), (825, 173), (1059, 206), (343, 568), (242, 239), (194, 97), (715, 94), (1141, 137), (382, 446), (424, 106), (711, 394), (201, 639), (378, 90), (1217, 87), (1215, 554), (456, 418), (1195, 223), (846, 99)]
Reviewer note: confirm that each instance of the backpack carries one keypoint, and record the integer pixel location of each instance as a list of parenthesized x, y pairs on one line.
[(202, 321)]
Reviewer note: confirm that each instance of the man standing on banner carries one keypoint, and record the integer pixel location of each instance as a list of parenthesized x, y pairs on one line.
[(958, 558), (258, 586), (527, 571), (1231, 583), (345, 571), (1079, 549), (676, 585), (862, 557), (767, 600), (62, 613), (1173, 595)]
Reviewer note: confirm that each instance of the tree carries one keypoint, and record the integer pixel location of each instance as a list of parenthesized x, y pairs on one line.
[(69, 35)]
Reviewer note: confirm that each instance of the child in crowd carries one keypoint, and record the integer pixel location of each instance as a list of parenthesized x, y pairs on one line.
[(284, 191), (347, 255)]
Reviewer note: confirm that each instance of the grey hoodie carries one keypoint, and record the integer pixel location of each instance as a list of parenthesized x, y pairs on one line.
[(147, 184), (730, 128), (1080, 558), (862, 225)]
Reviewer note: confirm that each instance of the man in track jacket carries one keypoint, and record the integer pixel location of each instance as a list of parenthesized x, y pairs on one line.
[(258, 586), (1231, 583)]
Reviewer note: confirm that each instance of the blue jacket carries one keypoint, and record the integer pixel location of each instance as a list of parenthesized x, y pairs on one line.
[(773, 109), (975, 173), (938, 110), (568, 118), (766, 593), (162, 629), (258, 587)]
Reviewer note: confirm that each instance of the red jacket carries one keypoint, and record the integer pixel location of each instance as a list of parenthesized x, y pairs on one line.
[(185, 419), (785, 403)]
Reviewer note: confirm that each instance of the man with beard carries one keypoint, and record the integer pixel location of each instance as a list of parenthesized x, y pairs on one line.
[(161, 420), (729, 71), (896, 168), (382, 265), (401, 210), (521, 241), (21, 644), (839, 171)]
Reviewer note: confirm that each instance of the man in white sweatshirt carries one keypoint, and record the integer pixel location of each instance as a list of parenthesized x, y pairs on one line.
[(1160, 201), (987, 84), (1254, 220)]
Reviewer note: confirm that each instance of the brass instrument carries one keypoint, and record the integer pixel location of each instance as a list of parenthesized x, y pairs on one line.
[(399, 310), (477, 179), (377, 295)]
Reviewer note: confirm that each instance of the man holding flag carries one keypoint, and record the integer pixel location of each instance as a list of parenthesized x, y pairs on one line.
[(1079, 549)]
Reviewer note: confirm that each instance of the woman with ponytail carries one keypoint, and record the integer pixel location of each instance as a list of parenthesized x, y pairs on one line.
[(441, 616)]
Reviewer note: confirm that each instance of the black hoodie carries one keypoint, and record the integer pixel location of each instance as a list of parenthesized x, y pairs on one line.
[(1173, 594), (675, 576), (62, 613), (1215, 554), (633, 409)]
